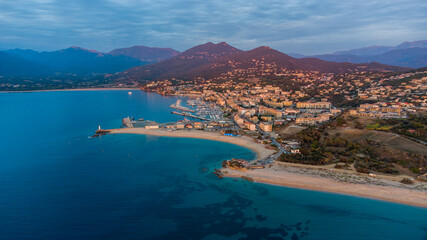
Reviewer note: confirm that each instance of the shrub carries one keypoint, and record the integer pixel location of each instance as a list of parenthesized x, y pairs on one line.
[(362, 170)]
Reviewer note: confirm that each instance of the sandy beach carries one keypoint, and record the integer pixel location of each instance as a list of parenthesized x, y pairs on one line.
[(243, 141), (304, 177), (349, 184)]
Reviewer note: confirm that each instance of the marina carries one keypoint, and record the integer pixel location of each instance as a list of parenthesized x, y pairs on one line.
[(198, 109)]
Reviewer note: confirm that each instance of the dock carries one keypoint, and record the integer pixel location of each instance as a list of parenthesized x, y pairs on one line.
[(190, 115)]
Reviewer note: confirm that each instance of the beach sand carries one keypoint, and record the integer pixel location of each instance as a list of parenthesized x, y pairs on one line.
[(247, 142), (304, 177), (349, 184)]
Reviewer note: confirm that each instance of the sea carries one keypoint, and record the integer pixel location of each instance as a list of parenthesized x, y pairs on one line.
[(56, 182)]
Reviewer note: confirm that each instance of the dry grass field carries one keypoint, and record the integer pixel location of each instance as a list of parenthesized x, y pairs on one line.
[(387, 139), (291, 130)]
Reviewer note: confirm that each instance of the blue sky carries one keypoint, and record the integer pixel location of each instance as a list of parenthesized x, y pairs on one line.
[(301, 26)]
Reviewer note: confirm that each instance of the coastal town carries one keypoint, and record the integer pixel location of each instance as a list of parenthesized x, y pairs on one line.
[(281, 118), (213, 120)]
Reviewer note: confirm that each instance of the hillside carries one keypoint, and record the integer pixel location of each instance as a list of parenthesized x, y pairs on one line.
[(409, 57), (77, 60), (12, 65), (407, 54), (213, 60), (146, 54), (182, 64), (377, 50)]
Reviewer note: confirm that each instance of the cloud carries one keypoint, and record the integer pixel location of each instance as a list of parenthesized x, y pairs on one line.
[(289, 25)]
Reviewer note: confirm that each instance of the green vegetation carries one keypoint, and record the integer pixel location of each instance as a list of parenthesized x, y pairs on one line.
[(414, 126), (398, 82), (379, 127), (58, 81), (320, 148)]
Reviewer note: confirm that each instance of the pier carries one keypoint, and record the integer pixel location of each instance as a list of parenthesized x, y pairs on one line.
[(178, 106), (190, 115)]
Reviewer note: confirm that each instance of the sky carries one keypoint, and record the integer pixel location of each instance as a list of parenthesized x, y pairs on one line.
[(290, 26)]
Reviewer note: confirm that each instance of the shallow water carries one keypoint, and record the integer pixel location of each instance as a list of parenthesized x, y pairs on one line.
[(56, 183)]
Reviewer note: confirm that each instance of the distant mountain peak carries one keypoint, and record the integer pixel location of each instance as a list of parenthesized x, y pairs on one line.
[(407, 54), (144, 53), (265, 50), (223, 44), (221, 48), (82, 49), (264, 47), (407, 44), (377, 49)]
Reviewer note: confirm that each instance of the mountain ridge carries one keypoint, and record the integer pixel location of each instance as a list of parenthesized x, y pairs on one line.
[(182, 63), (410, 57), (212, 60), (377, 49), (407, 54), (74, 60), (144, 53)]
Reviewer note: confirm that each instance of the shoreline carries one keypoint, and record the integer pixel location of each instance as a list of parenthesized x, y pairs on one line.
[(301, 177), (378, 189), (260, 150), (71, 89)]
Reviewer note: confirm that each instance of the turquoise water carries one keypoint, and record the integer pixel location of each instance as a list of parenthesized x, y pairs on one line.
[(56, 183)]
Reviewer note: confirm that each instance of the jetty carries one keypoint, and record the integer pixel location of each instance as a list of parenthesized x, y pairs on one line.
[(218, 173), (178, 106), (190, 115), (100, 132)]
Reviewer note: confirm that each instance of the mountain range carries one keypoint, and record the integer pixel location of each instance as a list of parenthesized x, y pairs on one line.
[(206, 60), (211, 60), (146, 54), (77, 60), (407, 54)]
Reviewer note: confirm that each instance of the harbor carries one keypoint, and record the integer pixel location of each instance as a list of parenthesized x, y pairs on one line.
[(198, 109), (178, 106)]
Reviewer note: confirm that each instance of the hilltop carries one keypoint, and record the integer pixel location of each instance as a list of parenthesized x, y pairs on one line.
[(213, 60)]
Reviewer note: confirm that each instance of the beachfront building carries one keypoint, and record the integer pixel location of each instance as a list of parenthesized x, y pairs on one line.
[(153, 126), (250, 126), (198, 125)]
